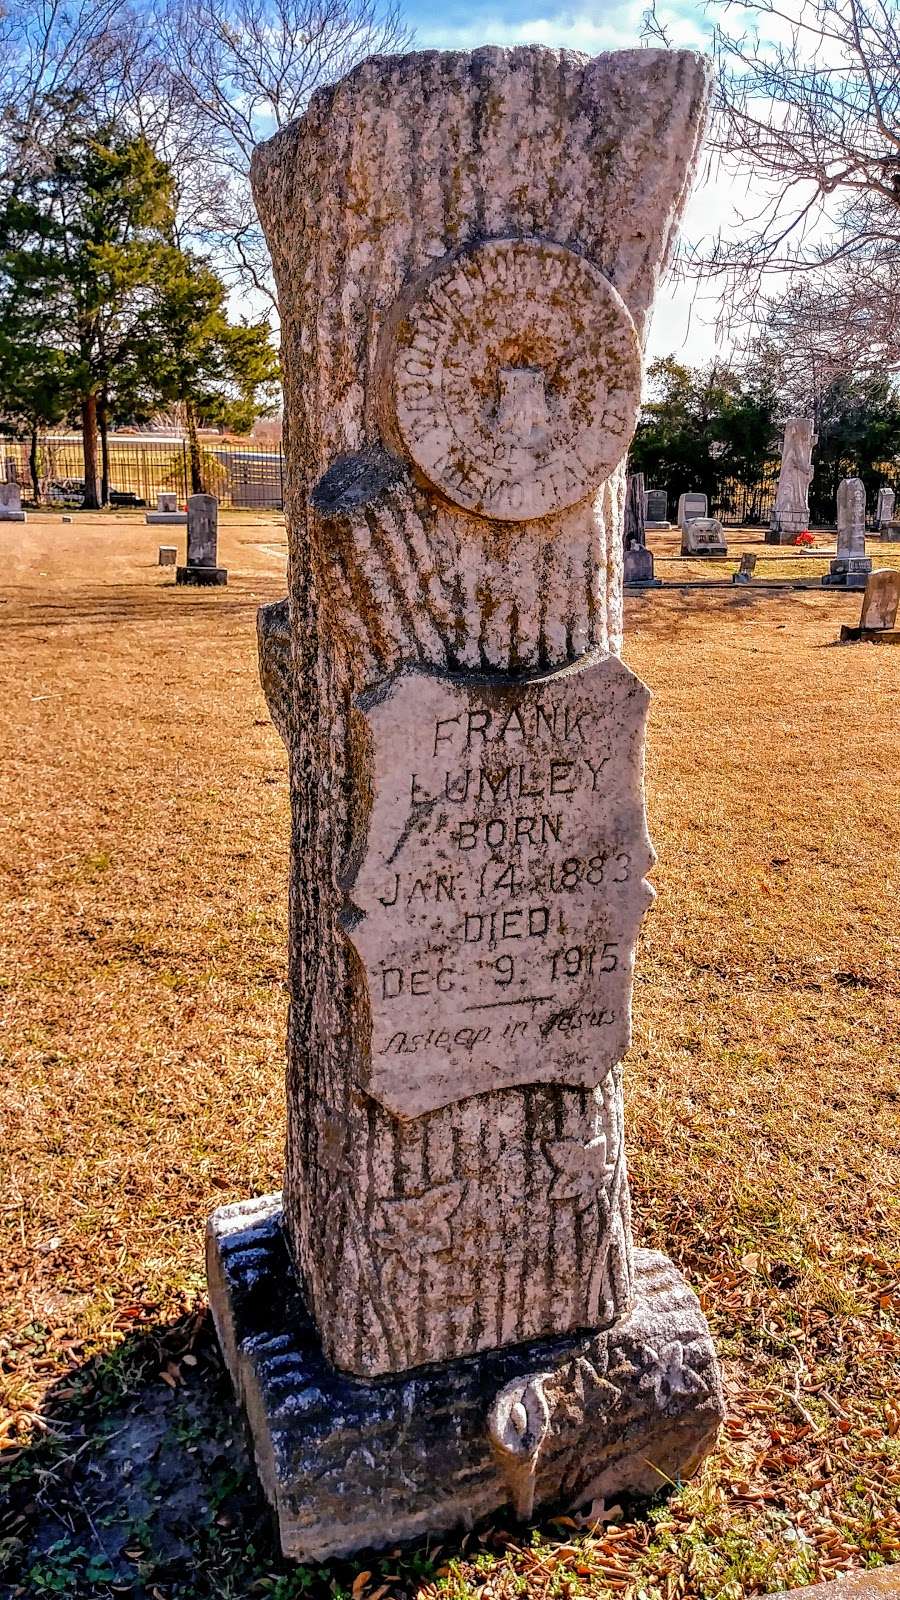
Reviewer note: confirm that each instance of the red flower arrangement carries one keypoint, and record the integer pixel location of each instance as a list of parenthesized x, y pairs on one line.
[(803, 538)]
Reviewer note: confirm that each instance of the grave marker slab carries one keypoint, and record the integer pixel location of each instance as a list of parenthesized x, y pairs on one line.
[(11, 502), (656, 508), (884, 512), (202, 544), (167, 510), (469, 840), (746, 569), (703, 536), (168, 555), (851, 566), (691, 505), (879, 607)]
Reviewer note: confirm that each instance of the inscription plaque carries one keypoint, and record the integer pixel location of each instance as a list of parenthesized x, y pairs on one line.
[(516, 375), (502, 885)]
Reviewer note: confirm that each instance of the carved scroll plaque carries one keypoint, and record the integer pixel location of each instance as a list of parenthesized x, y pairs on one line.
[(516, 371), (502, 884)]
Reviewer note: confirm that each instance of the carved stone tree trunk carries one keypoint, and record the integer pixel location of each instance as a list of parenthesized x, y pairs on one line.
[(467, 249)]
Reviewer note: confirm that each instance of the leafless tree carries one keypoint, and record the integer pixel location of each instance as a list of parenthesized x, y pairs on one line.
[(808, 110), (246, 68)]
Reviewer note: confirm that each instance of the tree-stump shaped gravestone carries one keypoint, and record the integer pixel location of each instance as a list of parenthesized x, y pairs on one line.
[(467, 249)]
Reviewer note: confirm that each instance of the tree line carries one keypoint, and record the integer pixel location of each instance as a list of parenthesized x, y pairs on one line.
[(127, 227), (717, 429), (104, 318)]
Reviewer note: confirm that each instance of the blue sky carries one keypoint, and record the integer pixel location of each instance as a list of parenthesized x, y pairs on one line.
[(684, 319)]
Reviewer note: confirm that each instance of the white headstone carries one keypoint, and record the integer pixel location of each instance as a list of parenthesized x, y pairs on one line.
[(690, 506), (703, 536), (11, 502)]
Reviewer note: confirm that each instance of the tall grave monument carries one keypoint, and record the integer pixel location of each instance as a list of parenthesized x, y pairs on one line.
[(790, 514), (851, 566), (444, 1313), (201, 568)]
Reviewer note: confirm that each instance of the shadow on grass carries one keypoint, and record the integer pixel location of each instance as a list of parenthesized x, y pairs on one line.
[(165, 601), (143, 1486)]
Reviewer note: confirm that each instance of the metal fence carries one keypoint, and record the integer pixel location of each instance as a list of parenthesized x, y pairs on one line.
[(240, 475)]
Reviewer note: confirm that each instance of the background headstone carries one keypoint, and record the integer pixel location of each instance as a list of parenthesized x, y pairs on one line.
[(691, 505), (167, 510), (879, 607), (656, 507), (462, 380), (634, 529), (884, 511), (746, 569), (851, 566), (790, 514), (202, 544), (703, 536), (11, 502)]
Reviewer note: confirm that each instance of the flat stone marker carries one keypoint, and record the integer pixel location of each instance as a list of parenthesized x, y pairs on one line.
[(746, 569), (790, 514), (202, 544), (168, 555), (656, 508), (167, 510), (11, 502), (690, 506), (879, 607), (443, 1314), (703, 536)]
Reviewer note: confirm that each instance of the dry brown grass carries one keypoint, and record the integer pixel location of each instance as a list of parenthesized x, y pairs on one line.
[(143, 855)]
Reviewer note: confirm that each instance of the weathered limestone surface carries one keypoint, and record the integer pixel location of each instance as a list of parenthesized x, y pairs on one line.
[(350, 1465), (202, 544), (500, 219), (790, 514)]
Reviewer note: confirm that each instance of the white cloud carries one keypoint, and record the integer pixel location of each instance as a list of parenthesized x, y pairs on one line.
[(617, 28)]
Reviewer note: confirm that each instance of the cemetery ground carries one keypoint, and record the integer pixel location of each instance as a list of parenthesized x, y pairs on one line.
[(144, 859)]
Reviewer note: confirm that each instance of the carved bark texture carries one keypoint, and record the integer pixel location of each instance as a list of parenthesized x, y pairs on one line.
[(492, 1220)]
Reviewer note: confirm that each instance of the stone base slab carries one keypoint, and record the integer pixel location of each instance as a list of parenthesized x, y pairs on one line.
[(173, 518), (351, 1464), (13, 516), (202, 577)]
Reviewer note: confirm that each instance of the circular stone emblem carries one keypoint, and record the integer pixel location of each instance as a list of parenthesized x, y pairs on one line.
[(516, 375)]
